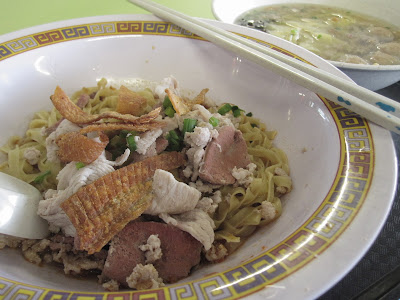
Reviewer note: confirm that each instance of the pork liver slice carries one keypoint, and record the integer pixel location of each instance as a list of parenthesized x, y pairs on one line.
[(180, 252)]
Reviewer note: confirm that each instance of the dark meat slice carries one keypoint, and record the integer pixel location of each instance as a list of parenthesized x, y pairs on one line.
[(222, 154), (180, 252)]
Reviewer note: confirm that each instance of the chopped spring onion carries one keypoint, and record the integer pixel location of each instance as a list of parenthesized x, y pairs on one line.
[(169, 111), (175, 142), (236, 111), (80, 165), (130, 141), (124, 133), (173, 135), (214, 121), (224, 109), (167, 102), (188, 125), (168, 107), (131, 133), (39, 179)]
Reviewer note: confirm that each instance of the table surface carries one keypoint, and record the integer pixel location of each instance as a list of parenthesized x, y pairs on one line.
[(19, 14), (375, 275)]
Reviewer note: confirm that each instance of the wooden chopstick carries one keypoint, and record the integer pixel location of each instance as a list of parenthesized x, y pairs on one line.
[(377, 108)]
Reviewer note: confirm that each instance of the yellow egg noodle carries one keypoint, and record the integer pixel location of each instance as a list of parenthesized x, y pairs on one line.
[(235, 218), (240, 216), (16, 164)]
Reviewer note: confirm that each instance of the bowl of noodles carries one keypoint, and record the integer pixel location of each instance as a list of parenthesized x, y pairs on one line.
[(171, 168), (361, 38)]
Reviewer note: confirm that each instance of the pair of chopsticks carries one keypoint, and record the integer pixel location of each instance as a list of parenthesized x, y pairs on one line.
[(370, 105)]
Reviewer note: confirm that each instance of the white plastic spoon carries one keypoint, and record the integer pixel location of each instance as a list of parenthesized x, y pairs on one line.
[(18, 209)]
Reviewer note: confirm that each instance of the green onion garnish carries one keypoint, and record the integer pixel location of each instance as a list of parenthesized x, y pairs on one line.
[(39, 179), (188, 125), (167, 102), (224, 109), (236, 111), (80, 165), (173, 135), (123, 133), (319, 36), (168, 107), (214, 121), (250, 114), (174, 141), (130, 141), (169, 111)]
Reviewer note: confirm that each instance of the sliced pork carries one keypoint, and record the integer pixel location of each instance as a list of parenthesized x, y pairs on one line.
[(196, 222), (171, 196), (180, 252), (222, 154)]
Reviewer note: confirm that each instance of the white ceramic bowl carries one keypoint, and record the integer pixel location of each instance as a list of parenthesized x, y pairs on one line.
[(341, 165), (373, 77)]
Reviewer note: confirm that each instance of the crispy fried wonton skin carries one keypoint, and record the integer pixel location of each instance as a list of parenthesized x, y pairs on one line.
[(123, 126), (74, 146), (130, 102), (76, 115), (101, 209), (182, 105)]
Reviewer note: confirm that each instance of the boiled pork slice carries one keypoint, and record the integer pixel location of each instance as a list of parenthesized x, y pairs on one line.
[(180, 252), (170, 195), (222, 154)]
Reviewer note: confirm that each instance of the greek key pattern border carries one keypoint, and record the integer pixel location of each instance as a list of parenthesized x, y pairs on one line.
[(335, 213), (26, 43)]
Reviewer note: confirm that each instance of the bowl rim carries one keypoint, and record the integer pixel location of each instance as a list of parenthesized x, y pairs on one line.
[(369, 127), (361, 67)]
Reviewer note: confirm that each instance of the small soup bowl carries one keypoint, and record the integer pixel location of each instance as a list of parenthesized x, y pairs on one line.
[(373, 77)]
